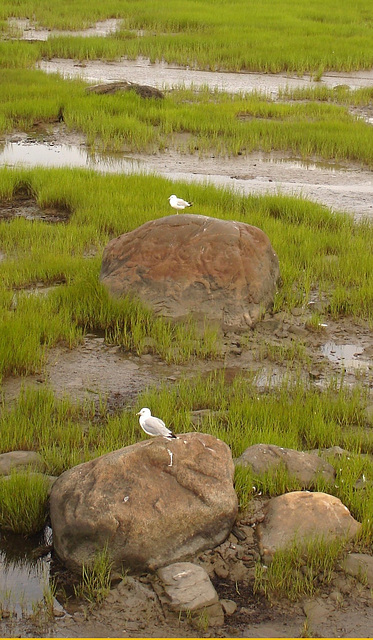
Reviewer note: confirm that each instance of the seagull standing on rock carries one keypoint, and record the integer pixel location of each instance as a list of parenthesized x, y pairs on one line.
[(153, 426), (179, 203)]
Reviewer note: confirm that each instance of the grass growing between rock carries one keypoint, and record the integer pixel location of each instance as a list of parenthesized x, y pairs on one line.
[(300, 570), (294, 415), (96, 579)]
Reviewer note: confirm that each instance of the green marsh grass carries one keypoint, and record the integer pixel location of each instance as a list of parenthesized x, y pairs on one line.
[(96, 579), (299, 570), (280, 353), (23, 502), (340, 94), (67, 257), (215, 122), (269, 36), (43, 609)]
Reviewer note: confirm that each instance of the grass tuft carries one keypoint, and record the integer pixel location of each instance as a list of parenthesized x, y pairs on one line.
[(95, 582), (23, 502), (301, 570)]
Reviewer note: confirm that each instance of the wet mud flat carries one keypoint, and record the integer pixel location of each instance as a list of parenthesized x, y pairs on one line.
[(24, 29), (97, 371), (340, 187), (165, 76)]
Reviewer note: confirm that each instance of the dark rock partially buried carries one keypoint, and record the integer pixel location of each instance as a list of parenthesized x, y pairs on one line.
[(143, 90), (219, 270), (153, 503), (305, 467)]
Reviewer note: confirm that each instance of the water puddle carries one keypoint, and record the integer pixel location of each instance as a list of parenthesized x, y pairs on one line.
[(30, 153), (347, 356), (309, 165), (23, 205), (26, 30), (24, 577)]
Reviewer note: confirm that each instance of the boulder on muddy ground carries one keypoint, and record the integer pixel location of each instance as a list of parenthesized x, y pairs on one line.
[(305, 467), (217, 270), (302, 516), (152, 503)]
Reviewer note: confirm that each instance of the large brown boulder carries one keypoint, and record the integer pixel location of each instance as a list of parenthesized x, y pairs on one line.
[(153, 503), (302, 516), (221, 270)]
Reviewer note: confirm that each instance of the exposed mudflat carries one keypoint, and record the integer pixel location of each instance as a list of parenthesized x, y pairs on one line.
[(26, 30), (340, 187), (164, 75), (97, 371)]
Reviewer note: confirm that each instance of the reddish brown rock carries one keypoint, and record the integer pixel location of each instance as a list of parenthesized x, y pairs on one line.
[(153, 503), (301, 516), (221, 270)]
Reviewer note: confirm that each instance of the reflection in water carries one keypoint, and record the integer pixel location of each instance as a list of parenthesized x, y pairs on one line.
[(346, 355), (33, 153), (310, 165), (43, 154), (23, 576)]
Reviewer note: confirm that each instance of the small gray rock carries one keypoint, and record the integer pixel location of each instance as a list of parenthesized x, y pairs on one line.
[(229, 606), (187, 586)]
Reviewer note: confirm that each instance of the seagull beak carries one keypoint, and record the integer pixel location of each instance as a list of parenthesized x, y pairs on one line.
[(138, 413)]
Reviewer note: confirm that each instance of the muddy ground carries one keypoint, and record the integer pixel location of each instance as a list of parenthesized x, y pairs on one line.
[(96, 370), (340, 187)]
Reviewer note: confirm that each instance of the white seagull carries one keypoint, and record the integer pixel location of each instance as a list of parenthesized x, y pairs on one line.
[(179, 203), (153, 426)]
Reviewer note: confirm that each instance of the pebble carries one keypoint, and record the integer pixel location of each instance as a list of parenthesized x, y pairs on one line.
[(229, 606), (240, 535)]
